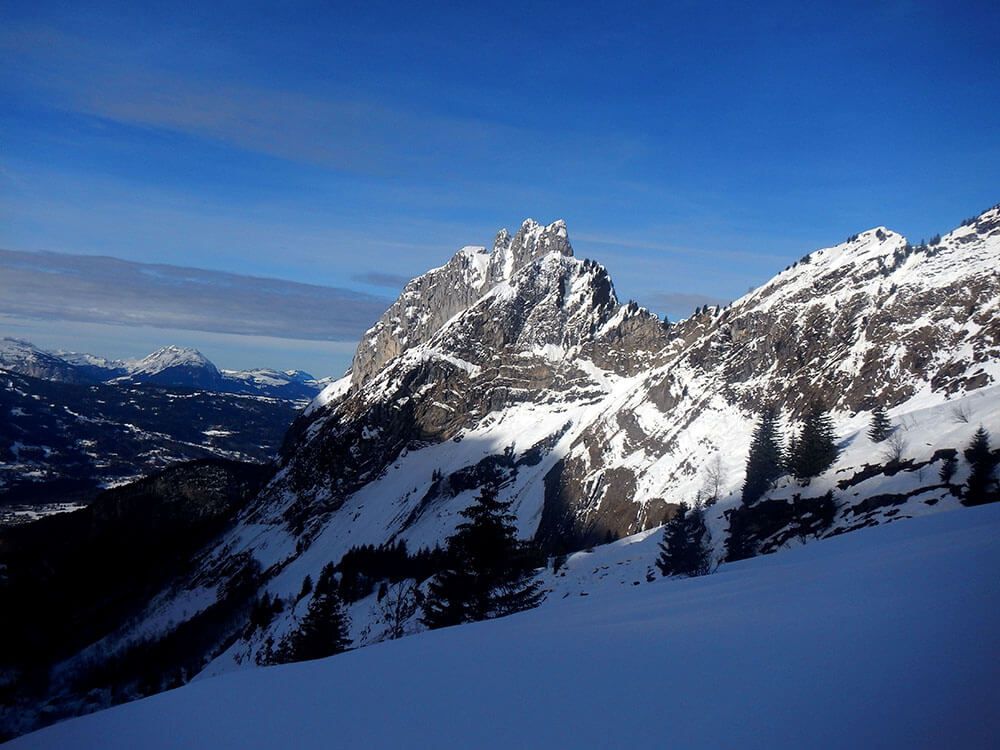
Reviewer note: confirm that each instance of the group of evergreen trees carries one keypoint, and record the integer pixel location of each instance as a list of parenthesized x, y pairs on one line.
[(322, 631), (364, 566), (485, 572), (684, 550), (490, 572), (811, 451)]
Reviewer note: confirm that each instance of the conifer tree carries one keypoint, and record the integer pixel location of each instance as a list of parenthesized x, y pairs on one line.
[(683, 550), (880, 427), (764, 462), (489, 574), (324, 629), (982, 464), (741, 542), (815, 448), (948, 468)]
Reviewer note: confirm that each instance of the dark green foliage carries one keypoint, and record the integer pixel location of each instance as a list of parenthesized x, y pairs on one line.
[(814, 449), (948, 468), (490, 573), (683, 550), (769, 524), (981, 487), (263, 611), (73, 578), (880, 427), (307, 587), (323, 630), (362, 567), (741, 543), (764, 463)]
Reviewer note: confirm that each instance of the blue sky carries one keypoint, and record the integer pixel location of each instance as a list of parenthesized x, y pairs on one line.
[(693, 148)]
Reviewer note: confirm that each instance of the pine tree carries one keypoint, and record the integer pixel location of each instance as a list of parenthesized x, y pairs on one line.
[(880, 427), (324, 629), (982, 463), (815, 448), (948, 468), (683, 550), (741, 542), (490, 573), (764, 462)]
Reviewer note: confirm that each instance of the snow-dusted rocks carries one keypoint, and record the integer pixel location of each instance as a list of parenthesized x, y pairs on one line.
[(27, 359), (430, 300), (176, 365), (626, 413)]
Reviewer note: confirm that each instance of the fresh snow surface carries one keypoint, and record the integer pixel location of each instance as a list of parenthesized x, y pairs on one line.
[(883, 638)]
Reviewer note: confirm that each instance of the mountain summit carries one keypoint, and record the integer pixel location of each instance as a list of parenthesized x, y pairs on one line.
[(430, 300)]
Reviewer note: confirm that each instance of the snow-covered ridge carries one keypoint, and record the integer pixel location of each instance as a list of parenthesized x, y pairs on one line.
[(170, 366), (170, 356)]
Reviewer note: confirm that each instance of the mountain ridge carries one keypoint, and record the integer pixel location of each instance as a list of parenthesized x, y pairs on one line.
[(599, 418)]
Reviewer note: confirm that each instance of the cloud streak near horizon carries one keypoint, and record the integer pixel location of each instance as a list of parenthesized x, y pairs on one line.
[(54, 287)]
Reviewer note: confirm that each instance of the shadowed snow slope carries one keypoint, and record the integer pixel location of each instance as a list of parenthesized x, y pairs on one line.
[(882, 638)]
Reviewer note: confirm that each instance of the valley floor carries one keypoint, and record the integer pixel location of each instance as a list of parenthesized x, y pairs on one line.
[(882, 638)]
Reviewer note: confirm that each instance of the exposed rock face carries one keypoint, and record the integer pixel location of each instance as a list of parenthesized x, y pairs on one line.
[(26, 359), (430, 300), (872, 320)]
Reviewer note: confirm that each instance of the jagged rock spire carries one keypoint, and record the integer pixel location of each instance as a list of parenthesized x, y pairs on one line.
[(432, 299)]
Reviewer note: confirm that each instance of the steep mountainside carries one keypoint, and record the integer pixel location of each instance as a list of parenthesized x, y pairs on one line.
[(600, 418), (604, 414)]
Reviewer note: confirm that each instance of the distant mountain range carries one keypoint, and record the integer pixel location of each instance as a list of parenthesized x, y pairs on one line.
[(74, 423), (170, 366)]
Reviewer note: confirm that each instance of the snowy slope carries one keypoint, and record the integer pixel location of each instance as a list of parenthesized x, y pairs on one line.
[(880, 639), (601, 419)]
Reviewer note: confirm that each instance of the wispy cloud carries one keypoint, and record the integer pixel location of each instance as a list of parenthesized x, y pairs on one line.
[(333, 127), (382, 279), (57, 287)]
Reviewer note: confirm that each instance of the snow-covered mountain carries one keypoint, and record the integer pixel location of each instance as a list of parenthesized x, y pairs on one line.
[(175, 365), (170, 366), (74, 423), (22, 357), (600, 418), (600, 414)]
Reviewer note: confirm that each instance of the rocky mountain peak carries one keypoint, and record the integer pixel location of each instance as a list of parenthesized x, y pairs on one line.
[(510, 254), (171, 356), (432, 299)]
